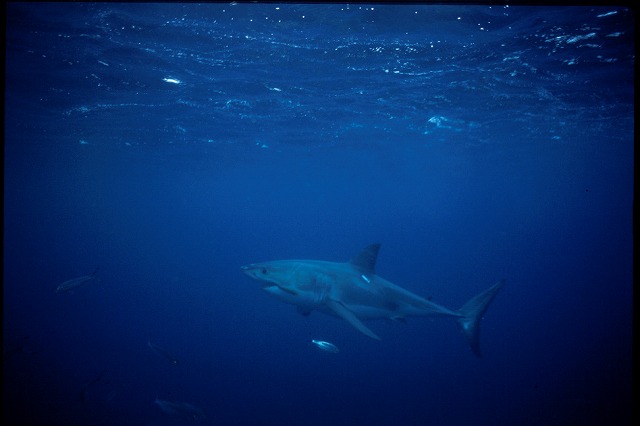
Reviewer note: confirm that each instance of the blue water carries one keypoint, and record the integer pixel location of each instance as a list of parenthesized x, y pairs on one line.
[(170, 144)]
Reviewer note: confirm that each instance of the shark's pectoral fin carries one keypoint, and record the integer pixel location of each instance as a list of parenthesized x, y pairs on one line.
[(344, 313)]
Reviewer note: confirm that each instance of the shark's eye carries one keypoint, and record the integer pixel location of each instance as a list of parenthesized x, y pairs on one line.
[(264, 271)]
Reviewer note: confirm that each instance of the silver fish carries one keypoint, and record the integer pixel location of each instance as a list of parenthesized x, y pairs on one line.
[(326, 346), (76, 282), (180, 409)]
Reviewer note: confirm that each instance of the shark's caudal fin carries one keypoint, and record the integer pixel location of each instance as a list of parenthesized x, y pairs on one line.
[(472, 312)]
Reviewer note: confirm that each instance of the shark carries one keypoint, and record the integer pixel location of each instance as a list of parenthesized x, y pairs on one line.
[(352, 291)]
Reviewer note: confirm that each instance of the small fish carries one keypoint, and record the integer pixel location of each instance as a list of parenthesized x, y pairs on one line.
[(161, 352), (76, 282), (180, 409), (326, 346), (172, 80)]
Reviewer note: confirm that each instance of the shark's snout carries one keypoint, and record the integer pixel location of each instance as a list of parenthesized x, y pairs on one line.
[(255, 271), (249, 270)]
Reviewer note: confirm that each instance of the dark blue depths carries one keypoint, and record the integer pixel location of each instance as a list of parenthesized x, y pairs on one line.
[(169, 144)]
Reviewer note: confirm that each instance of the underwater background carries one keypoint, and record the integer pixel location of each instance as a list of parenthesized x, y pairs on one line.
[(151, 150)]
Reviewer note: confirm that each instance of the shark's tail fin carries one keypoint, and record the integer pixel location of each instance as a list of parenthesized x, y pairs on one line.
[(472, 312)]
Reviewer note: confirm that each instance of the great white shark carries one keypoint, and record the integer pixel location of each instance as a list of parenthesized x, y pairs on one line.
[(352, 291)]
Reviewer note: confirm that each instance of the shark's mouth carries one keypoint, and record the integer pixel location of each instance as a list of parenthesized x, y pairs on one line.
[(266, 284), (272, 286)]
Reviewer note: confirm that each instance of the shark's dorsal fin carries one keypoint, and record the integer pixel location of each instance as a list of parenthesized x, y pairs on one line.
[(365, 261)]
